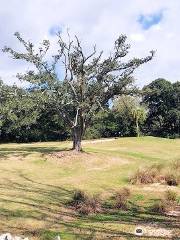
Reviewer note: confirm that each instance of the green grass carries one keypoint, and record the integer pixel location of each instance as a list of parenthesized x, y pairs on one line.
[(35, 186)]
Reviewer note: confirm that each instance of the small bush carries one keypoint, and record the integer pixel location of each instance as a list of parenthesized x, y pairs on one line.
[(121, 198), (170, 196), (171, 179), (78, 197), (84, 203), (91, 205), (156, 173), (145, 176), (168, 202)]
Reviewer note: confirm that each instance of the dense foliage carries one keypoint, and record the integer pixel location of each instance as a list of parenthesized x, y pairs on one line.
[(23, 120), (163, 101)]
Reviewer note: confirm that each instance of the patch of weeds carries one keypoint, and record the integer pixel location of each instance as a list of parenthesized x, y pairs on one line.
[(170, 196), (84, 203), (144, 176), (156, 174), (168, 202), (121, 198), (78, 197), (171, 179)]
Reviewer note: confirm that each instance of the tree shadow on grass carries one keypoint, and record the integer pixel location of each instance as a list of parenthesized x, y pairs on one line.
[(23, 152), (37, 202)]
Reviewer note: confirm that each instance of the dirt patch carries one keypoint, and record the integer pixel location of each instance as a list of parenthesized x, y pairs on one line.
[(67, 158), (155, 231), (91, 161), (68, 154), (159, 187)]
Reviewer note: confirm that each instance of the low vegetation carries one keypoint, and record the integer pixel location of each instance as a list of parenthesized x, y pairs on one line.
[(170, 196), (165, 204), (84, 203), (157, 174), (37, 182), (121, 198)]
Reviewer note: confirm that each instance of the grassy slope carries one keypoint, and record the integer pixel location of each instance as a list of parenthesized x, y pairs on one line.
[(35, 185)]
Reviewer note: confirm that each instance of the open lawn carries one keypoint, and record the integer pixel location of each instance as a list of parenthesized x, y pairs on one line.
[(37, 180)]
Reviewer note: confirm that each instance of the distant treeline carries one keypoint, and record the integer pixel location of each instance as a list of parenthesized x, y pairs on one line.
[(154, 110)]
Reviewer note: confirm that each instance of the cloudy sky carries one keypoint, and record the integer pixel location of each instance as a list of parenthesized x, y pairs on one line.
[(149, 24)]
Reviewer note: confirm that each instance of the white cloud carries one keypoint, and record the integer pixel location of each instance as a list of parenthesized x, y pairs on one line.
[(138, 37), (96, 22)]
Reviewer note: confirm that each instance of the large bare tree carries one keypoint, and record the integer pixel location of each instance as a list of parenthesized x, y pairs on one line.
[(89, 80)]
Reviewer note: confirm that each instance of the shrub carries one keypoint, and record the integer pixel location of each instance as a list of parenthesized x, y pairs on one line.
[(84, 203), (156, 173), (170, 196), (168, 202), (121, 198), (91, 205), (78, 197), (145, 176), (171, 179)]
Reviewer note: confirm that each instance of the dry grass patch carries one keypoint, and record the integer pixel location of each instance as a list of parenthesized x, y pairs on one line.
[(156, 174), (121, 198), (84, 203), (167, 203), (145, 176)]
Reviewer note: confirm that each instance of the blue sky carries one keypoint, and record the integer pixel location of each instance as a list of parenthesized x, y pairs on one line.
[(149, 20), (148, 24)]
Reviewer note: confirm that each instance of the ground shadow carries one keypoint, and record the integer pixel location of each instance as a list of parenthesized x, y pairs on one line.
[(23, 152), (41, 202)]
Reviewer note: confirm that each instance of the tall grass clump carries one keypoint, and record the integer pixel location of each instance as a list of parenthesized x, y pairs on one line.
[(157, 174), (145, 175), (168, 202), (172, 179), (84, 203), (172, 174), (170, 196), (121, 198)]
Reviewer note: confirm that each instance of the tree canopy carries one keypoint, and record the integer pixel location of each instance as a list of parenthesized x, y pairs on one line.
[(163, 101), (89, 82)]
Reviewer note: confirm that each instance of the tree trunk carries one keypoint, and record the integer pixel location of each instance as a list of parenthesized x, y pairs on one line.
[(137, 128), (77, 137)]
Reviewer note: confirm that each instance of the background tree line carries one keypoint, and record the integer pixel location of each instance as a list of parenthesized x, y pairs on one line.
[(155, 111)]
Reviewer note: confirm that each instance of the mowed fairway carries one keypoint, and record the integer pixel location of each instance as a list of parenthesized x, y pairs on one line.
[(37, 180)]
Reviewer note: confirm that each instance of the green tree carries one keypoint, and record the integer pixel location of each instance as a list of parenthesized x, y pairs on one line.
[(162, 99), (89, 82), (131, 110), (139, 115), (18, 109)]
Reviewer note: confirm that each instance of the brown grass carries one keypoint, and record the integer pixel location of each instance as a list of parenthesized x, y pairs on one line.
[(84, 203), (171, 179), (121, 198), (145, 176), (156, 174), (168, 202)]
